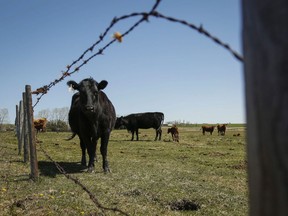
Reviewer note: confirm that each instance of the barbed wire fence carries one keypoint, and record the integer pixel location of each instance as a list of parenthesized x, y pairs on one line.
[(84, 58)]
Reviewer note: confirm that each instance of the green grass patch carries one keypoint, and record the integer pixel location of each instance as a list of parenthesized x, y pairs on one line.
[(200, 175)]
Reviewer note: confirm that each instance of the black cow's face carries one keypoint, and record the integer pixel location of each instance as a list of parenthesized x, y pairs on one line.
[(121, 121), (89, 93)]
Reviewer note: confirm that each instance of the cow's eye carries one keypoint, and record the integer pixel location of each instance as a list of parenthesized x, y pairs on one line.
[(95, 93)]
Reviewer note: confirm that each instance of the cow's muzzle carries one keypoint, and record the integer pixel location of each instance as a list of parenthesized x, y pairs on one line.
[(89, 108)]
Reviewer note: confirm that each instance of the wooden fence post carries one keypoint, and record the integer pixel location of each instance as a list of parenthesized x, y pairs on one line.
[(25, 130), (19, 122), (265, 46), (18, 129), (31, 134)]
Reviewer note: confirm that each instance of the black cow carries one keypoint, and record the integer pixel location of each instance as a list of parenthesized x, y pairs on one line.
[(142, 120), (91, 116)]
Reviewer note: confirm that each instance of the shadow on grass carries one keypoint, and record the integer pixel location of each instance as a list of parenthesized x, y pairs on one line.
[(135, 141), (48, 168)]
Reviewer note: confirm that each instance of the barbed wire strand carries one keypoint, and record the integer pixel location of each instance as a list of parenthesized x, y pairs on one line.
[(145, 16), (201, 30), (43, 90), (65, 74), (76, 181)]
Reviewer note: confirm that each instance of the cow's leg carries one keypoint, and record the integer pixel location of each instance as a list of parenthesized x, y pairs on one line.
[(156, 134), (94, 140), (91, 147), (132, 131), (160, 133), (177, 137), (103, 149), (137, 132), (83, 149)]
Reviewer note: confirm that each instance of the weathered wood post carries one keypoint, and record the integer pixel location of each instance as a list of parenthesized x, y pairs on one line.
[(19, 119), (265, 43), (25, 130), (18, 129), (31, 134)]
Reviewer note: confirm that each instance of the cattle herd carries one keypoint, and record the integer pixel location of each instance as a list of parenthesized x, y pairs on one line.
[(92, 116), (220, 128)]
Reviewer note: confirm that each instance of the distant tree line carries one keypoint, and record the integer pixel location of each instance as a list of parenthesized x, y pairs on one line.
[(57, 119), (4, 118)]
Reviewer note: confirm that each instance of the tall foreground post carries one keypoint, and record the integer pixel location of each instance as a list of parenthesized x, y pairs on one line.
[(265, 43), (31, 134)]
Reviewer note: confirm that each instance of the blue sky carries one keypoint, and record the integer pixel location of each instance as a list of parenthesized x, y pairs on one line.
[(160, 66)]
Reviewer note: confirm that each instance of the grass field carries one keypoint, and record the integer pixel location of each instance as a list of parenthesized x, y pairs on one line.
[(200, 175)]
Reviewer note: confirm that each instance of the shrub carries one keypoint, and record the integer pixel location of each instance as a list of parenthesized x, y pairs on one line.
[(57, 126)]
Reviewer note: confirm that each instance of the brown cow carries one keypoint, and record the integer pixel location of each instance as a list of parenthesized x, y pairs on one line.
[(174, 132), (209, 129), (40, 124), (221, 129)]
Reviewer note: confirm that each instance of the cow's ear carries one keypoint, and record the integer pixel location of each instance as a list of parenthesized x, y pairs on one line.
[(72, 84), (102, 85)]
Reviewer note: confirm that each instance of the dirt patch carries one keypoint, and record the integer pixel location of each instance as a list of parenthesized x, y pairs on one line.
[(184, 205), (241, 166), (214, 154), (133, 193)]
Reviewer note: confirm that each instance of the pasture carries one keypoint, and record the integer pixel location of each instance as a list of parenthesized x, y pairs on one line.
[(200, 175)]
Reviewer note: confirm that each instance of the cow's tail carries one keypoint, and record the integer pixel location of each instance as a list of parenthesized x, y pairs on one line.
[(162, 121), (71, 137)]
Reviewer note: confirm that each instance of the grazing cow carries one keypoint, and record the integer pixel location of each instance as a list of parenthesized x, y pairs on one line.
[(91, 116), (40, 124), (209, 129), (142, 120), (174, 132), (221, 129)]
